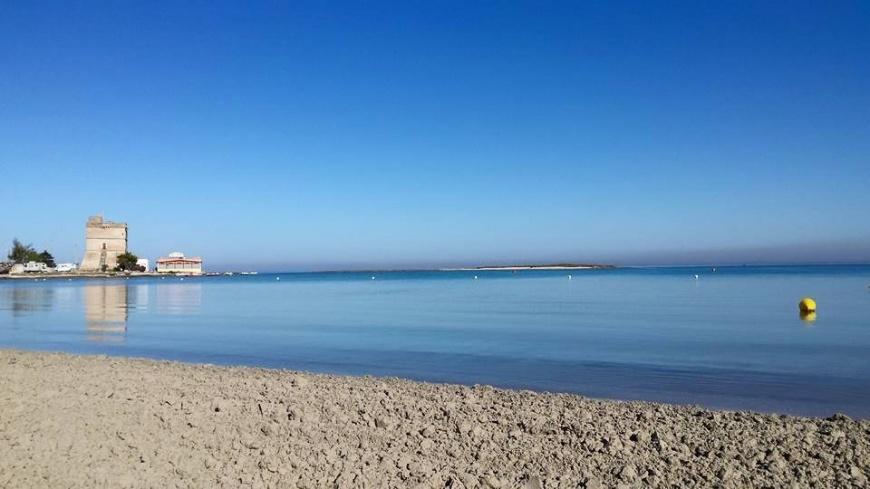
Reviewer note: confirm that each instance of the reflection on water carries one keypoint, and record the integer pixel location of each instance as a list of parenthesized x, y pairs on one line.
[(732, 339), (179, 299), (21, 301), (106, 314), (108, 306)]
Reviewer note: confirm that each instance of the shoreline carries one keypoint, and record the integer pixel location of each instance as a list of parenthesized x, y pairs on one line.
[(37, 276), (518, 268), (127, 422), (214, 274), (90, 275)]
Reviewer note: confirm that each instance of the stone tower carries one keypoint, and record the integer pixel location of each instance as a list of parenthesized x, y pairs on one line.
[(104, 241)]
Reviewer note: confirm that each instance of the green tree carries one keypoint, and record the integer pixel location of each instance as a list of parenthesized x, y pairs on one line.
[(23, 253), (127, 262), (45, 257)]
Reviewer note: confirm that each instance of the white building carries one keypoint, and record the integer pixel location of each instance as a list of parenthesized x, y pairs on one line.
[(176, 262), (66, 267), (34, 266), (143, 262)]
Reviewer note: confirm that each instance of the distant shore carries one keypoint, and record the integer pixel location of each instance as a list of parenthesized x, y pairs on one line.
[(97, 421), (558, 266), (82, 275), (91, 275)]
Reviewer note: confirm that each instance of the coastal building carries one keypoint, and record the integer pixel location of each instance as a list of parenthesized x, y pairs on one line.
[(35, 267), (104, 241), (66, 267), (144, 263), (177, 263)]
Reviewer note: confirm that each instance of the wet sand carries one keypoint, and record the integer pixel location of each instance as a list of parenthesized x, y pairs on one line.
[(96, 421)]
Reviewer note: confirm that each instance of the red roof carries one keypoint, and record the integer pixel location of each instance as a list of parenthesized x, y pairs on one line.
[(192, 259)]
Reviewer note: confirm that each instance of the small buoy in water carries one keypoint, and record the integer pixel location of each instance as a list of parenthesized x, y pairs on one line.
[(475, 277), (182, 279), (807, 304), (277, 278), (697, 276), (373, 277), (570, 277)]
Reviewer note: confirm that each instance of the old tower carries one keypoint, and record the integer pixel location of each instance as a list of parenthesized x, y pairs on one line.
[(104, 241)]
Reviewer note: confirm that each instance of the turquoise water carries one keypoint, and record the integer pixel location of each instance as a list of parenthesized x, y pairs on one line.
[(731, 339)]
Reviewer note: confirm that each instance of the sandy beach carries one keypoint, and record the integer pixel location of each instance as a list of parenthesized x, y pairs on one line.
[(96, 421)]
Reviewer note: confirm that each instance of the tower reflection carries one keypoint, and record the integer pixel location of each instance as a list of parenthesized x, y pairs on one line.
[(106, 312)]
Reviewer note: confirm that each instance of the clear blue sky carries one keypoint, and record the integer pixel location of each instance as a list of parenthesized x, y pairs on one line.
[(310, 135)]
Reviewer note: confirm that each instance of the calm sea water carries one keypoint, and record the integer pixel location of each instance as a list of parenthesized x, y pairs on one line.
[(731, 339)]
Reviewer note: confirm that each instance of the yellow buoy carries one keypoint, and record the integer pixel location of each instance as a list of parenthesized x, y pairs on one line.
[(807, 304), (808, 316)]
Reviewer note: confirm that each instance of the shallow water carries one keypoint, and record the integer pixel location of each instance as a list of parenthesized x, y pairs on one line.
[(731, 339)]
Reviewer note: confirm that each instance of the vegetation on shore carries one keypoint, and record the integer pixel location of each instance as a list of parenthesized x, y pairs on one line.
[(23, 253), (127, 263)]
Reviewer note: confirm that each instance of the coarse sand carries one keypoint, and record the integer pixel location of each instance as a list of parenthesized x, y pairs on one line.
[(96, 421)]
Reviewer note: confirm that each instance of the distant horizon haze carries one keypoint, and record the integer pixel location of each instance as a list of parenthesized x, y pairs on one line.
[(856, 252), (314, 136)]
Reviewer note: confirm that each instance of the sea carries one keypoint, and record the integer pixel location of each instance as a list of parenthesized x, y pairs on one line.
[(726, 337)]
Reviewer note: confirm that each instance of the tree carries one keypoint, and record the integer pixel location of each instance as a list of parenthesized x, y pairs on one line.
[(127, 262), (23, 253), (45, 257)]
